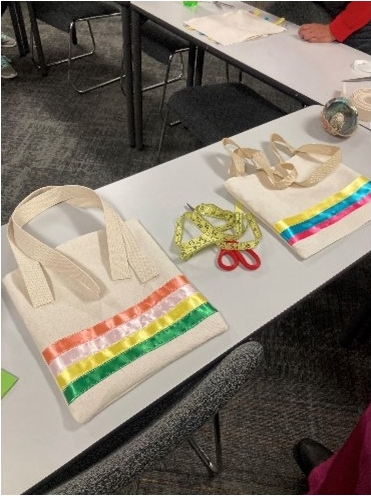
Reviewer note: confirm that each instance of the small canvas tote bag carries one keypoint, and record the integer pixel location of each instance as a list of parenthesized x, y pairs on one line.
[(107, 309), (309, 199)]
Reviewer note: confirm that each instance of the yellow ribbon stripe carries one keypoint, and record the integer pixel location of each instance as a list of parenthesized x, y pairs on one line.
[(85, 365), (282, 225)]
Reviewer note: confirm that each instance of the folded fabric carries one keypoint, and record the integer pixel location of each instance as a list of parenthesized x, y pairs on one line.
[(233, 27)]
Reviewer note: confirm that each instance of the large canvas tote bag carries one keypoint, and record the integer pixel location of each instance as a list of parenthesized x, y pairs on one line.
[(309, 199), (107, 309)]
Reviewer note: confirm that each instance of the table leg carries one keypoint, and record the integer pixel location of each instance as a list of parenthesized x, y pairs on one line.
[(137, 77), (191, 65), (37, 40), (199, 66), (128, 71), (16, 16)]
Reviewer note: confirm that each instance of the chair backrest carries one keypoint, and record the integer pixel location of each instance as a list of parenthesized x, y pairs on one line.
[(61, 14), (159, 43), (215, 111), (167, 424)]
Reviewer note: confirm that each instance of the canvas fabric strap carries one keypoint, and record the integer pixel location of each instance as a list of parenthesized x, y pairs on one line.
[(31, 254), (284, 174)]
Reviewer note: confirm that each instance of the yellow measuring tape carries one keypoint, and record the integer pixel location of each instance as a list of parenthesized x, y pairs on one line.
[(237, 223)]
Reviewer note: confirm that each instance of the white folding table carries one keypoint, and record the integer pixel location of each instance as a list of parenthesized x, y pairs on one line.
[(38, 434)]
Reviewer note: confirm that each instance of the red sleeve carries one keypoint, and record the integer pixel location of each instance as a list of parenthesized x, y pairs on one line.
[(355, 16)]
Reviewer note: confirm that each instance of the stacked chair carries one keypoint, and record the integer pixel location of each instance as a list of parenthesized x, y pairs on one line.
[(157, 42)]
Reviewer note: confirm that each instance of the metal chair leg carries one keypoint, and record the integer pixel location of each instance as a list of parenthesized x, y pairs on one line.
[(227, 74), (162, 136), (167, 72), (174, 79), (40, 64), (214, 468), (72, 38), (69, 58), (167, 81)]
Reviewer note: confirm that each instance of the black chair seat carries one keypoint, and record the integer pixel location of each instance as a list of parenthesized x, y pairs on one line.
[(359, 330), (117, 459), (57, 15), (217, 111)]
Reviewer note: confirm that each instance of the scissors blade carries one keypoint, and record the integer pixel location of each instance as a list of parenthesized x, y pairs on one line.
[(366, 78), (220, 5)]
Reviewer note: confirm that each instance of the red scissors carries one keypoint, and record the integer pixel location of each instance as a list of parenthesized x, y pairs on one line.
[(236, 258)]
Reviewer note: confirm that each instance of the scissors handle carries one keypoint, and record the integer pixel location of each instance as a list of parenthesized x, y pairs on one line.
[(237, 257)]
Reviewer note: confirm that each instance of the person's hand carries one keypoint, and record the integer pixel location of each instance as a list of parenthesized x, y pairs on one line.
[(316, 33)]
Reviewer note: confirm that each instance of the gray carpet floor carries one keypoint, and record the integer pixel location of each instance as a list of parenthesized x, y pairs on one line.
[(310, 384)]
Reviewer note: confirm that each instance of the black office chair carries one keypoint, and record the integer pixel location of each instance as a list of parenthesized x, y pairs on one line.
[(166, 424), (213, 112)]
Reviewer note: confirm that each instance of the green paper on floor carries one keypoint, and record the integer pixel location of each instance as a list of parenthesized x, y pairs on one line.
[(7, 382)]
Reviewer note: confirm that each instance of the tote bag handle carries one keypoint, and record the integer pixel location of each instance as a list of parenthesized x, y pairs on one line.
[(31, 254), (284, 174)]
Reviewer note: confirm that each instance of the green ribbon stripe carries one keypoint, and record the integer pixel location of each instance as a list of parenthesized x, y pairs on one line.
[(87, 381)]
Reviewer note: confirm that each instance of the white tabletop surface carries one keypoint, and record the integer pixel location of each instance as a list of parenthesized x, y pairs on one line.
[(314, 70), (38, 433)]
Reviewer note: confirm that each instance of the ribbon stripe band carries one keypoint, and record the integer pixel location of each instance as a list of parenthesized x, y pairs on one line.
[(325, 213), (82, 360)]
